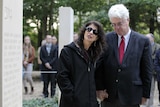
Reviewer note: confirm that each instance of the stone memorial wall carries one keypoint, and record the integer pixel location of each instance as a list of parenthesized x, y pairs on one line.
[(11, 53)]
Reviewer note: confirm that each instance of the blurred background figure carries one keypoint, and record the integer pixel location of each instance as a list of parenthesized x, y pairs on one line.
[(54, 40), (75, 36), (28, 57), (49, 57), (157, 69), (38, 57), (155, 46)]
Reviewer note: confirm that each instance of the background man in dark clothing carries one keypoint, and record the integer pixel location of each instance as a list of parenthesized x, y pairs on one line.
[(49, 57)]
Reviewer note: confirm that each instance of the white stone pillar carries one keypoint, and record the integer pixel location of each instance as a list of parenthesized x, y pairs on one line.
[(11, 53), (66, 22), (158, 14)]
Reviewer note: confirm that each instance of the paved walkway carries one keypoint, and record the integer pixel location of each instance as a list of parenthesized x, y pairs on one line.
[(156, 102)]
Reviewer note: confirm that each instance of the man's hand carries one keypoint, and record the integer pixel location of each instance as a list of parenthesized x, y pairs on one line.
[(48, 65)]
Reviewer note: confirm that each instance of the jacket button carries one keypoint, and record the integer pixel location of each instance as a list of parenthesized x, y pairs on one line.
[(119, 70), (116, 80)]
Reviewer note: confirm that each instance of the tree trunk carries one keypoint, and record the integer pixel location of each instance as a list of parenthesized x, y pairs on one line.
[(151, 23), (39, 37), (51, 17), (80, 19), (44, 26)]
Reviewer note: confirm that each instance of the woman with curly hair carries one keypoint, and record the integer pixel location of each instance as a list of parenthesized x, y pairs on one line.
[(77, 64)]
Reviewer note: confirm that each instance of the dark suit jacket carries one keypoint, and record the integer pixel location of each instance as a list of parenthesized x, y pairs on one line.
[(157, 64), (131, 80), (51, 58)]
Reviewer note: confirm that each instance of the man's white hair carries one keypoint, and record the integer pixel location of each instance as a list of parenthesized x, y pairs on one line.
[(118, 11)]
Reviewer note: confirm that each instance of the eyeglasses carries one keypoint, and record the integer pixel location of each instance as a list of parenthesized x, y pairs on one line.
[(119, 24), (89, 29)]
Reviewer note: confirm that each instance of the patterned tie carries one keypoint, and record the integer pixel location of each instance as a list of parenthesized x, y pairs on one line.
[(121, 49)]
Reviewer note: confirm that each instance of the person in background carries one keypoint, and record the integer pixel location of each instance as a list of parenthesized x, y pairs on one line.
[(28, 58), (38, 58), (157, 69), (54, 40), (55, 43), (49, 57), (124, 72), (77, 67), (75, 36), (43, 42), (155, 47)]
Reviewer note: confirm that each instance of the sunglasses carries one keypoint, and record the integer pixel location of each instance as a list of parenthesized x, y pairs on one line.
[(89, 29)]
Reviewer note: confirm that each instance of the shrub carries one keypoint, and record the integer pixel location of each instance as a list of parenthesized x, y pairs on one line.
[(41, 102)]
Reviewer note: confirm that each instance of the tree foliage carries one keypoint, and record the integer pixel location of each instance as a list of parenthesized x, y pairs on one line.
[(143, 14), (44, 13), (83, 8)]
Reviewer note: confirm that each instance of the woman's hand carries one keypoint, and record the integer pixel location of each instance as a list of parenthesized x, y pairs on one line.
[(101, 94)]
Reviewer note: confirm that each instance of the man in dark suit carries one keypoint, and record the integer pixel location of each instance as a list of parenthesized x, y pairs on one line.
[(123, 75), (49, 57)]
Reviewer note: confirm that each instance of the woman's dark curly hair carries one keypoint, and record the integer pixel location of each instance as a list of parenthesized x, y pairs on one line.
[(97, 47)]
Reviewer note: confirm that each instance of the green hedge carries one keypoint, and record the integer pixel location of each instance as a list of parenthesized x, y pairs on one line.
[(41, 102)]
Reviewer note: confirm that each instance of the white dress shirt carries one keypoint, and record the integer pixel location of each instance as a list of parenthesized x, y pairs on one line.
[(126, 39)]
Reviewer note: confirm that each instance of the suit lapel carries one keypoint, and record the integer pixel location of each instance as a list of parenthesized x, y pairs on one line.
[(46, 50), (51, 49), (129, 46), (115, 46)]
